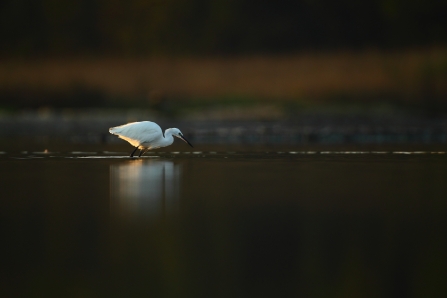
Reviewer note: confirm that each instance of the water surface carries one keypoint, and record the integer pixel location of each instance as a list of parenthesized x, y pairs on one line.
[(224, 224)]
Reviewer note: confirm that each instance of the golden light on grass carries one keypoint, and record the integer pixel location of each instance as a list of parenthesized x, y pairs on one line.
[(280, 77)]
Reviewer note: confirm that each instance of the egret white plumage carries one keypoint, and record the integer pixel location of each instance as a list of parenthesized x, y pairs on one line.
[(147, 135)]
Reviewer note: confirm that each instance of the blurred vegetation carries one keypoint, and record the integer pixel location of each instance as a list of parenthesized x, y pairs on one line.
[(415, 78), (185, 27), (151, 53)]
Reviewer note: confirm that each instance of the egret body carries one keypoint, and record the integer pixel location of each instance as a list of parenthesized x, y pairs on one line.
[(146, 135)]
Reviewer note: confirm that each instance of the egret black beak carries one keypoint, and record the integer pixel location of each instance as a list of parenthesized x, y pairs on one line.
[(183, 138)]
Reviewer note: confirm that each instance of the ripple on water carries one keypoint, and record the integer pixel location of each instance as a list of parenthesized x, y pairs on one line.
[(28, 157), (124, 155), (113, 157)]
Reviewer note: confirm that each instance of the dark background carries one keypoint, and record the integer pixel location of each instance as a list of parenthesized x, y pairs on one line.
[(230, 27), (226, 60)]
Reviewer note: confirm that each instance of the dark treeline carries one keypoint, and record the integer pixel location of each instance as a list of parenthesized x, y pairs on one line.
[(140, 27)]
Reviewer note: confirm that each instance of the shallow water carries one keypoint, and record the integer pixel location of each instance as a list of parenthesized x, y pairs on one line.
[(224, 223)]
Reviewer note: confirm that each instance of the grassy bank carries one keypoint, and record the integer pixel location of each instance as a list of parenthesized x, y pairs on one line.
[(413, 76)]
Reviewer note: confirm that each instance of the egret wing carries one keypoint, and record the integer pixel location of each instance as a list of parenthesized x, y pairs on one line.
[(137, 133)]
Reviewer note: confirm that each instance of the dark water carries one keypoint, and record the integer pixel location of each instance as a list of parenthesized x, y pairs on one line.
[(224, 224)]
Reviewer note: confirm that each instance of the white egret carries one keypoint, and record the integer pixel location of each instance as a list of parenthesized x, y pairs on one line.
[(147, 135)]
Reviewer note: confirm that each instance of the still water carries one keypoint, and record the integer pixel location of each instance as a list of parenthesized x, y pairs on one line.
[(224, 224)]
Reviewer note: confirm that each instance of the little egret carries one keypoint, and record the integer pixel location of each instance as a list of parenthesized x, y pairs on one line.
[(146, 135)]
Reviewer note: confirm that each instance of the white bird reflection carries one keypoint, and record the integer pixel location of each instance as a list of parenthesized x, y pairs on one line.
[(144, 187)]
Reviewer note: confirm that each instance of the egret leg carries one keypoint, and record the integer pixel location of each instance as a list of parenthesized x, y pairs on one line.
[(133, 152), (142, 152)]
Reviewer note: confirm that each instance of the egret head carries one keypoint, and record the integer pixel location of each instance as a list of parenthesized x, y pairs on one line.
[(177, 133)]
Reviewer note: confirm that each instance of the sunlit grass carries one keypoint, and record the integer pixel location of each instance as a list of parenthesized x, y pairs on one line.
[(409, 74)]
